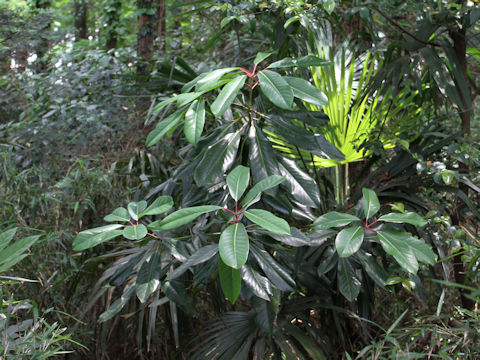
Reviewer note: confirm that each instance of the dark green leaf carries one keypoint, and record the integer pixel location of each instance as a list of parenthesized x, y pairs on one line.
[(395, 243), (227, 95), (16, 251), (135, 232), (348, 282), (421, 250), (194, 121), (278, 276), (136, 208), (254, 193), (118, 305), (234, 245), (6, 237), (119, 214), (305, 91), (262, 157), (230, 281), (159, 206), (200, 256), (261, 56), (211, 80), (329, 260), (349, 240), (165, 126), (257, 283), (299, 184), (217, 160), (268, 221), (373, 269), (408, 218), (237, 181), (333, 219), (176, 292), (92, 237), (148, 279), (370, 203), (276, 89), (182, 217)]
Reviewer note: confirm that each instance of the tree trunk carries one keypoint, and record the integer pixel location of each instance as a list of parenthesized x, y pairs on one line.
[(81, 9), (151, 25), (459, 40)]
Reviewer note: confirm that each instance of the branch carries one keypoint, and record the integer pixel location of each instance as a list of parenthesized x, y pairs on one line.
[(402, 29)]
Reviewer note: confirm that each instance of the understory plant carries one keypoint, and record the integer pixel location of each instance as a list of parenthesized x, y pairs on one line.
[(284, 277)]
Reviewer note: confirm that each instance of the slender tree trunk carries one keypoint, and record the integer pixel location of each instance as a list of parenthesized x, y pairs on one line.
[(459, 40), (151, 25), (81, 12)]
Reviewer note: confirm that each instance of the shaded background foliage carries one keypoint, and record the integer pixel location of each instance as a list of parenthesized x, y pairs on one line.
[(81, 83)]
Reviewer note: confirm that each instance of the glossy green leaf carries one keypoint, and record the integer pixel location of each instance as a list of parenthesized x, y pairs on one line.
[(237, 181), (194, 121), (276, 89), (305, 61), (407, 218), (160, 106), (258, 188), (422, 251), (148, 278), (119, 214), (305, 91), (135, 209), (328, 262), (118, 304), (211, 80), (347, 279), (187, 98), (261, 56), (92, 237), (200, 256), (230, 281), (277, 274), (333, 219), (135, 232), (349, 240), (370, 203), (175, 291), (6, 237), (299, 184), (395, 243), (227, 95), (372, 268), (268, 221), (262, 157), (234, 245), (159, 206), (216, 160), (302, 138), (165, 126), (257, 283), (182, 217)]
